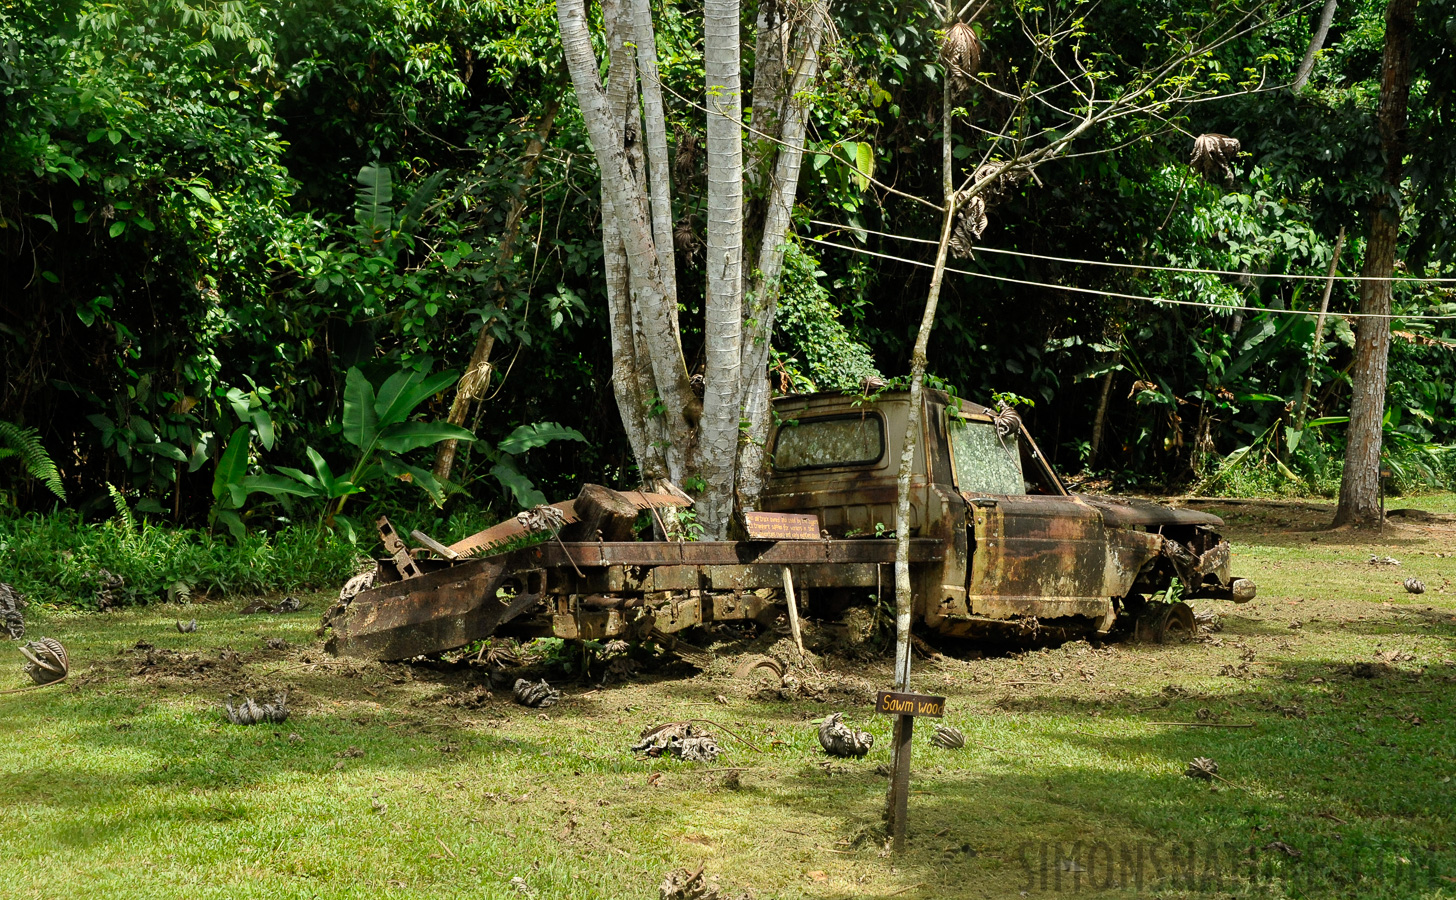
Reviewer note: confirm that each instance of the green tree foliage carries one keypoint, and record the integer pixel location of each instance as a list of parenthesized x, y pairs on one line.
[(210, 214)]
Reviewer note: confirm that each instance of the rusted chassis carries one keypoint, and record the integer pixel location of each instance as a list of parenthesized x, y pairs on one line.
[(979, 561), (640, 590)]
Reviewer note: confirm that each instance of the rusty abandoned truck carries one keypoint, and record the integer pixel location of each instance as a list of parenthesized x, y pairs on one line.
[(998, 545)]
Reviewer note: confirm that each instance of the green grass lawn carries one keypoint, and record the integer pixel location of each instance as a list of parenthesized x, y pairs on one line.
[(389, 781)]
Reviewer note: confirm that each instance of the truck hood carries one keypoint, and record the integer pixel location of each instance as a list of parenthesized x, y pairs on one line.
[(1126, 512)]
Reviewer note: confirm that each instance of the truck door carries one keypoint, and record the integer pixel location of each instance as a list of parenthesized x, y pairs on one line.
[(1041, 555)]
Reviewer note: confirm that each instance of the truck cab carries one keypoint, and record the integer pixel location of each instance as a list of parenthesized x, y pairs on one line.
[(1021, 550)]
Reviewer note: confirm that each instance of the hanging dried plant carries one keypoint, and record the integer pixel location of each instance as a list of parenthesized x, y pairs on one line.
[(685, 239), (685, 163), (961, 55), (1212, 154), (969, 227)]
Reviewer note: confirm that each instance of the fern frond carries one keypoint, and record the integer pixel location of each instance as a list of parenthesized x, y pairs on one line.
[(122, 510), (25, 443)]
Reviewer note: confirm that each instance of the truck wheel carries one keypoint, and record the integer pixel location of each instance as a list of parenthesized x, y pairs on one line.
[(1161, 623), (1178, 624), (754, 663)]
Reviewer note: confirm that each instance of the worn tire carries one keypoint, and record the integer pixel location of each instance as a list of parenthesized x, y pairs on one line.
[(1178, 624), (754, 663), (1161, 623)]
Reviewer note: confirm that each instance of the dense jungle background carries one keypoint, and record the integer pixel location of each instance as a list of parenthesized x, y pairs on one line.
[(228, 227)]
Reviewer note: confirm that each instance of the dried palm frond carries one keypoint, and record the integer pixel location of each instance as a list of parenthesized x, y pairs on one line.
[(682, 740), (360, 583), (11, 604), (251, 712), (685, 162), (838, 739), (1212, 154), (961, 55), (1202, 767), (1006, 419), (48, 661), (948, 737), (538, 695)]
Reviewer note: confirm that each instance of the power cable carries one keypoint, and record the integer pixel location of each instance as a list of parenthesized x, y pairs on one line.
[(1139, 297)]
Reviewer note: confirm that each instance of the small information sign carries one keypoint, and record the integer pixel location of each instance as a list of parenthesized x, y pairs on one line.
[(770, 526), (892, 703)]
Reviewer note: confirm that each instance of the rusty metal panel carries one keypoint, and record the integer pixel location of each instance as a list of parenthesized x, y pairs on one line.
[(679, 613), (1127, 553), (672, 578), (434, 612), (1036, 549), (727, 606)]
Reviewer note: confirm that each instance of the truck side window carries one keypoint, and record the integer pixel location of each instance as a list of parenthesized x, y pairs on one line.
[(831, 441), (985, 462)]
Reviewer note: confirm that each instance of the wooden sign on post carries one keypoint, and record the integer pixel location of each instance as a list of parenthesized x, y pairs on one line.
[(893, 703), (905, 707)]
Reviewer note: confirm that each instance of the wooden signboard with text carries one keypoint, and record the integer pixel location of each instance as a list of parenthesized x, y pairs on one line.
[(892, 703), (769, 526)]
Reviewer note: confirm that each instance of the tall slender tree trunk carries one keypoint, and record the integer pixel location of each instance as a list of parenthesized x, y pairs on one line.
[(723, 311), (476, 380), (1360, 485), (1315, 43)]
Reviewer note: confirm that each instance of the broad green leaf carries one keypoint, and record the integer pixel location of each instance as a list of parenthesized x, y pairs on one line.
[(116, 228), (864, 163), (541, 433), (426, 479), (1292, 437), (397, 404), (346, 526), (409, 436), (275, 485), (164, 449), (264, 423), (361, 420), (232, 465), (421, 198), (1233, 458), (232, 521), (1327, 420), (372, 208), (325, 474), (520, 487), (316, 486)]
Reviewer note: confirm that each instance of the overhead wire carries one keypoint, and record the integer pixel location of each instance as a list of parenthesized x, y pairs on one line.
[(1139, 297), (1291, 276)]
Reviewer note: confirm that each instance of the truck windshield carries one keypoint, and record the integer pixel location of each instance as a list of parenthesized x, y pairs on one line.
[(837, 441), (985, 462)]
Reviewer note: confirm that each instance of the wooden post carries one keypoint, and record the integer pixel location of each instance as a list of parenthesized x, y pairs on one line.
[(900, 781), (793, 609)]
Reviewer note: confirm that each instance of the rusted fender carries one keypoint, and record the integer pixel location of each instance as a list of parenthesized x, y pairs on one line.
[(438, 611)]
